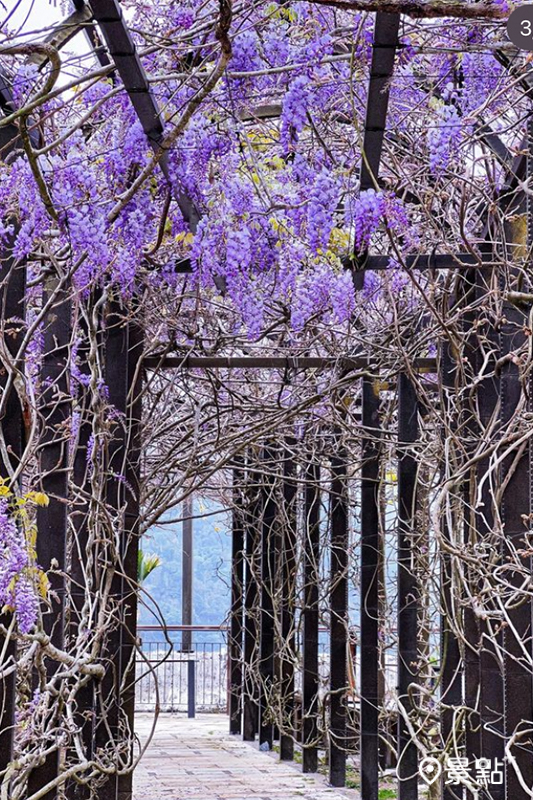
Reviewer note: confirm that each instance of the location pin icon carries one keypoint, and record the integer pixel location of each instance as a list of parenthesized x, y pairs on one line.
[(430, 770)]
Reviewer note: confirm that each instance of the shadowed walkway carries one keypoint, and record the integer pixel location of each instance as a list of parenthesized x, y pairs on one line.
[(199, 759)]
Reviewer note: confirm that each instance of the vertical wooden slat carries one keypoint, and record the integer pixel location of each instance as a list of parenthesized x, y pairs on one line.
[(56, 406), (79, 576), (408, 586), (369, 661), (12, 310), (288, 598), (310, 616), (252, 540), (451, 661), (107, 729), (338, 598), (268, 584), (515, 510), (236, 619), (129, 539)]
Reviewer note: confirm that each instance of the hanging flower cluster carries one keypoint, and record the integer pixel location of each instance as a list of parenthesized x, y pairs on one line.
[(21, 580)]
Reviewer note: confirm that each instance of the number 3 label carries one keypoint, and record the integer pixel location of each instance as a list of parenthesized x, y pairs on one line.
[(520, 27)]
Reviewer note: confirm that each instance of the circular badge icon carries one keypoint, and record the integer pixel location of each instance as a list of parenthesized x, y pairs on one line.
[(520, 27)]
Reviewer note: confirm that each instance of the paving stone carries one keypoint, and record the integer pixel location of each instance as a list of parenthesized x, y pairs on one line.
[(198, 760)]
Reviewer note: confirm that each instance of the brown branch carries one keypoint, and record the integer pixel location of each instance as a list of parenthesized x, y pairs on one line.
[(422, 8)]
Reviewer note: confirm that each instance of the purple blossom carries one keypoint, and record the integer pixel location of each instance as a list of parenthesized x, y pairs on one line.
[(320, 210), (444, 138), (366, 215)]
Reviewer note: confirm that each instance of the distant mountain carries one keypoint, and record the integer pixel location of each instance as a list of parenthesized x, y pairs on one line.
[(211, 572)]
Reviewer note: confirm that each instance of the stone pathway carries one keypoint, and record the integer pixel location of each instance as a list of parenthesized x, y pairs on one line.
[(198, 760)]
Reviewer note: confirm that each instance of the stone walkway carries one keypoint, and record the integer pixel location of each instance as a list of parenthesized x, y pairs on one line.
[(198, 759)]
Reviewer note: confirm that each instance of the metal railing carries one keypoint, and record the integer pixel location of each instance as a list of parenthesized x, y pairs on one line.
[(177, 680)]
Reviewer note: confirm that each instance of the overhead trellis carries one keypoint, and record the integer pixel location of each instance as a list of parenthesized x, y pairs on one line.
[(358, 409)]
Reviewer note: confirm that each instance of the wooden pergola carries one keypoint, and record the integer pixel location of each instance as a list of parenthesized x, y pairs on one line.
[(498, 697)]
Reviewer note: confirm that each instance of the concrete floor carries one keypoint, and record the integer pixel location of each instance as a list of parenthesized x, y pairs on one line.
[(198, 759)]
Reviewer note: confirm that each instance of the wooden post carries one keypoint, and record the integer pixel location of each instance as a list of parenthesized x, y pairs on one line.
[(338, 609), (252, 540), (107, 730), (370, 510), (130, 540), (451, 661), (236, 620), (310, 617), (268, 584), (408, 586), (56, 408), (12, 310), (288, 598), (78, 547)]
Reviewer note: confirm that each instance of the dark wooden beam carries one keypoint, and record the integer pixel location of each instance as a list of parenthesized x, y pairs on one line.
[(129, 539), (237, 597), (345, 363), (12, 309), (408, 585), (288, 600), (121, 46), (338, 609), (55, 411), (251, 596), (310, 613), (369, 626), (268, 586)]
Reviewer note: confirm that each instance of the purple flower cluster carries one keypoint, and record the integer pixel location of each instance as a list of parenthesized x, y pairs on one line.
[(295, 107), (323, 201), (365, 215), (444, 139), (16, 588)]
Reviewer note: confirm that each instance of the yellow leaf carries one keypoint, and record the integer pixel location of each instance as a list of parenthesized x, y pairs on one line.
[(39, 498)]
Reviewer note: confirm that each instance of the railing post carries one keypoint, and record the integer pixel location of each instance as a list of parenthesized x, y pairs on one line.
[(191, 688), (370, 548)]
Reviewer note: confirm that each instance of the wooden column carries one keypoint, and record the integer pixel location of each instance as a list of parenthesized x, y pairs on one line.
[(81, 569), (130, 539), (515, 510), (288, 599), (451, 661), (237, 597), (251, 566), (268, 586), (12, 310), (55, 410), (370, 512), (338, 609), (310, 681), (107, 730), (408, 586)]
